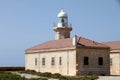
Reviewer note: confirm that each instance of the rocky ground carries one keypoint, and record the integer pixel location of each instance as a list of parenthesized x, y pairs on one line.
[(28, 76), (109, 78), (100, 77)]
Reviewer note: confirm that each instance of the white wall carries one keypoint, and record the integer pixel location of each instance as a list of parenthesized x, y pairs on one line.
[(30, 62), (68, 66), (115, 67)]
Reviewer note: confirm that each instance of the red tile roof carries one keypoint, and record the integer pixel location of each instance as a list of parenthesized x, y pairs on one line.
[(64, 43), (53, 44), (89, 43), (114, 45)]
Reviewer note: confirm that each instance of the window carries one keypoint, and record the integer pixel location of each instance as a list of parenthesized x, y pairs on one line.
[(86, 60), (35, 61), (52, 61), (43, 61), (111, 61), (62, 20), (60, 60), (100, 61)]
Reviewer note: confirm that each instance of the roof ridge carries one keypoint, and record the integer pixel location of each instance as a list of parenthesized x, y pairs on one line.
[(61, 43), (91, 40), (67, 42)]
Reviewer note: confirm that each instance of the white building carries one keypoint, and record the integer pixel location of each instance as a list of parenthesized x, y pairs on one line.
[(114, 57), (68, 56)]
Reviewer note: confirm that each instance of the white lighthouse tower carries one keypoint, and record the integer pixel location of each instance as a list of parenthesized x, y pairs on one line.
[(62, 30)]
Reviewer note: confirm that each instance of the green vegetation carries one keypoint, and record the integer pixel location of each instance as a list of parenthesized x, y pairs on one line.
[(93, 77), (38, 79), (59, 76), (9, 76), (46, 74)]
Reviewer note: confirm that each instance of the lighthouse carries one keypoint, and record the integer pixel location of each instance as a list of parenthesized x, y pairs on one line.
[(62, 29)]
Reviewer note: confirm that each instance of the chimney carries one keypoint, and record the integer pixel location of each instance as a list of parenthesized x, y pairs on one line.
[(74, 41)]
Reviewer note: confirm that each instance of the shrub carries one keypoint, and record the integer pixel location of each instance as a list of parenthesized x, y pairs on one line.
[(62, 78), (85, 78), (30, 71), (38, 79), (9, 76), (73, 78), (46, 74), (93, 77), (56, 75), (59, 76)]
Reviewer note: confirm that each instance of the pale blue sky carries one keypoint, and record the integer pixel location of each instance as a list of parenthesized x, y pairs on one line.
[(25, 23)]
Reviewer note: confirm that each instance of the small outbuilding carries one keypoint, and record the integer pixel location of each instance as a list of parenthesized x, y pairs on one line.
[(114, 57)]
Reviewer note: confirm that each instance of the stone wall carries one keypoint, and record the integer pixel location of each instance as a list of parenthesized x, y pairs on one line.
[(93, 68)]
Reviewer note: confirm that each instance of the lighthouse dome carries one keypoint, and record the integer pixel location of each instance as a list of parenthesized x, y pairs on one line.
[(62, 14)]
